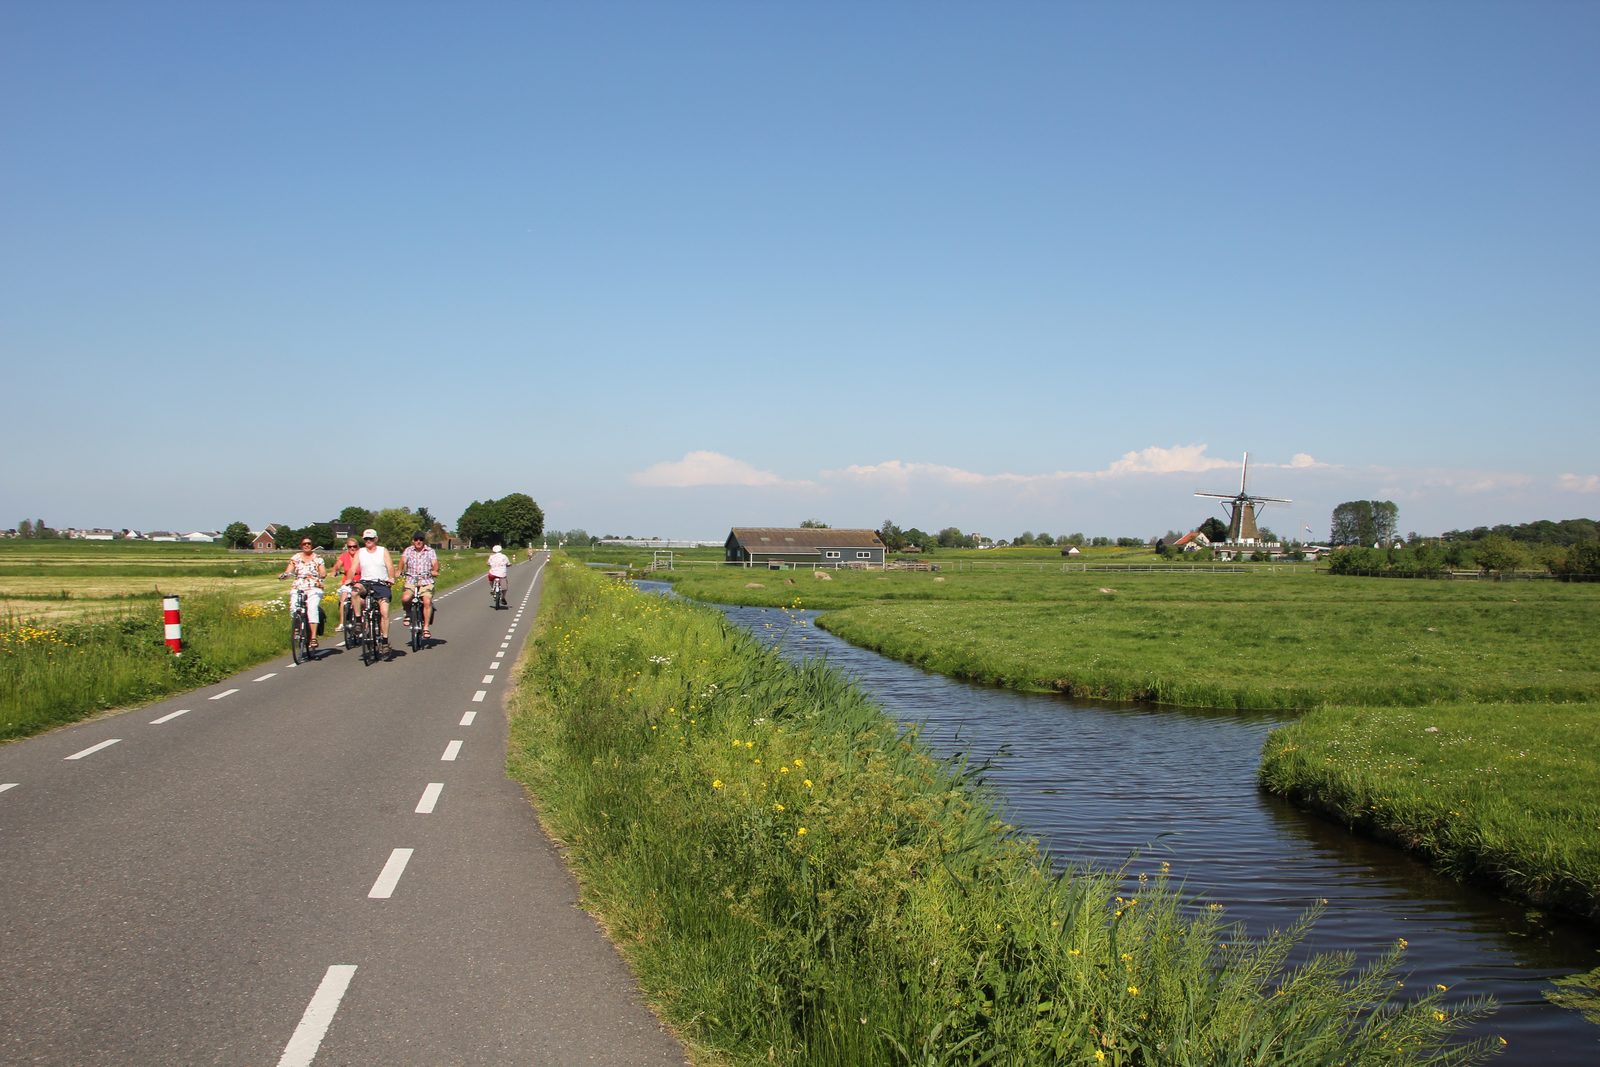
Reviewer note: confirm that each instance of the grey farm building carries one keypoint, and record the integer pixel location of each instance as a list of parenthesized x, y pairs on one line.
[(804, 547)]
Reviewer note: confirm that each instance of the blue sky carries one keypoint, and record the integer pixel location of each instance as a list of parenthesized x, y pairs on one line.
[(671, 268)]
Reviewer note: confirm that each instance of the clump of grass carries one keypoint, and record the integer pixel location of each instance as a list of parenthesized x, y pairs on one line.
[(797, 880), (1502, 793)]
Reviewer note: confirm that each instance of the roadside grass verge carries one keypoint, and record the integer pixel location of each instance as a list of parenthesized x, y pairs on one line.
[(796, 880), (109, 651), (54, 673), (1501, 793)]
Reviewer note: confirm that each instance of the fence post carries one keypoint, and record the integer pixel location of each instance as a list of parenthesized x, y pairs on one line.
[(174, 625)]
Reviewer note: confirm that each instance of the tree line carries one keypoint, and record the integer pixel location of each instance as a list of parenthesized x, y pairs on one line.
[(511, 520)]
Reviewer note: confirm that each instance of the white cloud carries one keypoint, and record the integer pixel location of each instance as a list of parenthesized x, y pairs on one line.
[(1179, 459), (704, 468), (1579, 483)]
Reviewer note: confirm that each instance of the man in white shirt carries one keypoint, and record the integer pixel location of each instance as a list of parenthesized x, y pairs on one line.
[(375, 578)]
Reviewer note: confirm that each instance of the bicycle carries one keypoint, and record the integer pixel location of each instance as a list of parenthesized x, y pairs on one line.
[(348, 620), (497, 592), (301, 631), (414, 615), (371, 630)]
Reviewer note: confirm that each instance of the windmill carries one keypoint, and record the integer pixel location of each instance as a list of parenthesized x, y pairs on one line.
[(1242, 515)]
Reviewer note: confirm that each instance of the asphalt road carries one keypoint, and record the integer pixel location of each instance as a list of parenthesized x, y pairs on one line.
[(318, 864)]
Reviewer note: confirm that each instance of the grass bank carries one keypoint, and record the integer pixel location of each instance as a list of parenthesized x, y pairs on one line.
[(1503, 793), (1509, 674), (100, 643), (796, 880)]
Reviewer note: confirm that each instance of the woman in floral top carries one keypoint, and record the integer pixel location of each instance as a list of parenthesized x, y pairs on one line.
[(307, 570)]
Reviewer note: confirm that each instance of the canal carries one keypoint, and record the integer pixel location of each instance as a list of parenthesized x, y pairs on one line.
[(1105, 783)]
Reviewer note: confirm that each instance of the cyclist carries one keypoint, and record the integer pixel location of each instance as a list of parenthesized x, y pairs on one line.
[(499, 566), (345, 569), (375, 574), (307, 569), (420, 564)]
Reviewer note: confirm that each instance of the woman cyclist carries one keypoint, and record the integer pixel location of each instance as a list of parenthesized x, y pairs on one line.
[(307, 570), (499, 566)]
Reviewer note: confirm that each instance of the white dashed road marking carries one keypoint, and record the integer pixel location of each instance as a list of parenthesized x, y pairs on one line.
[(477, 698), (302, 1047), (430, 797), (92, 749), (225, 692), (466, 720), (7, 785), (451, 751), (389, 877), (264, 677), (168, 717)]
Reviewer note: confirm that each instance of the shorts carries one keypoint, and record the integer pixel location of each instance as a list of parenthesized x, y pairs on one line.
[(374, 589), (420, 587)]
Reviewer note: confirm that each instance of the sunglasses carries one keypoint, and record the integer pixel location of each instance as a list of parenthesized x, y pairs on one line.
[(305, 544)]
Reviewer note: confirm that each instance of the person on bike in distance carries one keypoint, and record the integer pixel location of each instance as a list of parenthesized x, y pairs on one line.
[(375, 578), (421, 566), (499, 566), (345, 570), (307, 570)]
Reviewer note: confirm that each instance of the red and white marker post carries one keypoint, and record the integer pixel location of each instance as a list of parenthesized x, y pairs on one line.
[(174, 625)]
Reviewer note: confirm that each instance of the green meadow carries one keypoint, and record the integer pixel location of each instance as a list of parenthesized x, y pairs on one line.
[(796, 880), (82, 628), (1504, 667)]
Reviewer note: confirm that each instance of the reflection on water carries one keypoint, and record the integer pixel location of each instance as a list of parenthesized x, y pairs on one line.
[(1098, 783)]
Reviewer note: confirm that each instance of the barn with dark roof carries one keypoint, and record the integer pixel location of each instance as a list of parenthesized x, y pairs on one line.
[(804, 546)]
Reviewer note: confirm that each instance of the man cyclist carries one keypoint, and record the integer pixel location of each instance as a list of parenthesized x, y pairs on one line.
[(499, 567), (375, 579), (420, 564), (345, 571)]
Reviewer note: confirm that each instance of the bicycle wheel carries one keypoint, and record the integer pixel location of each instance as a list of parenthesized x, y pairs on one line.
[(296, 630), (416, 612), (347, 617), (369, 639)]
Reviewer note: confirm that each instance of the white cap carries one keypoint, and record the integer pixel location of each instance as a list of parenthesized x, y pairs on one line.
[(369, 533), (497, 548)]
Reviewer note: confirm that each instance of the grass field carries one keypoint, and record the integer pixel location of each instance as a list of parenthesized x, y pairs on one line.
[(81, 623), (797, 881), (1510, 671)]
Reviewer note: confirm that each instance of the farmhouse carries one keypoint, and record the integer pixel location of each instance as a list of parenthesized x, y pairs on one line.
[(806, 546), (1193, 541)]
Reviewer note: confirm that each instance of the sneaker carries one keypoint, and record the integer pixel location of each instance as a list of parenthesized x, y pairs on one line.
[(338, 628)]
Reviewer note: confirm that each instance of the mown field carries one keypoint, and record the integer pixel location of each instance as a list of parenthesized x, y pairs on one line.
[(796, 880), (81, 622), (1508, 674)]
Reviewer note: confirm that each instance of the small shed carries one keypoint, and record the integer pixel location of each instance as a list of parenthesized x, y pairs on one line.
[(805, 546)]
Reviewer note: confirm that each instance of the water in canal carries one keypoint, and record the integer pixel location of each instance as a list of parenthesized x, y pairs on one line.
[(1096, 782)]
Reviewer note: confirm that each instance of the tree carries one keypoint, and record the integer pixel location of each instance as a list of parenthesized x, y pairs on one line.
[(1215, 529), (236, 535), (25, 529), (1364, 522), (521, 519), (893, 539), (1024, 538), (951, 537), (473, 523), (1497, 554), (395, 526), (814, 524), (358, 517)]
